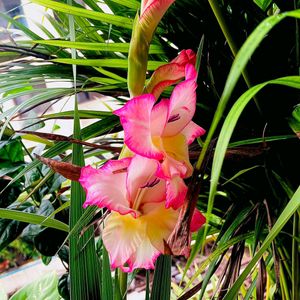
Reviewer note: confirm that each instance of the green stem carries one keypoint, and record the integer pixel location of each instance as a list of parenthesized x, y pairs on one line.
[(147, 297), (283, 283), (285, 260), (231, 43), (297, 42), (295, 258), (123, 284), (219, 16)]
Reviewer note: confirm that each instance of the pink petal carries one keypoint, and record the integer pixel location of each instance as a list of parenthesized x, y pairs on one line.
[(197, 220), (144, 257), (163, 77), (122, 235), (185, 57), (190, 72), (171, 73), (171, 167), (182, 107), (159, 117), (192, 131), (101, 189), (176, 192), (135, 117), (142, 183)]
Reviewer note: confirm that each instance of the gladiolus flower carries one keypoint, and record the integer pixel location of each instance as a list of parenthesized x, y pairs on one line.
[(139, 225), (170, 73), (163, 132)]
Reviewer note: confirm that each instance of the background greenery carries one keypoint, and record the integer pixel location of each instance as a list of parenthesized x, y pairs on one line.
[(249, 158)]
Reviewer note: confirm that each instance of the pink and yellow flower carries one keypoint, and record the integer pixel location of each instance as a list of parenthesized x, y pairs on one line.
[(139, 224), (163, 132)]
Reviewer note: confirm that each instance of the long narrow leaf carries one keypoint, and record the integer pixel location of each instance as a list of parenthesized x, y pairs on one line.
[(115, 47), (289, 210), (161, 288), (229, 125), (84, 266), (32, 219), (85, 13), (107, 62)]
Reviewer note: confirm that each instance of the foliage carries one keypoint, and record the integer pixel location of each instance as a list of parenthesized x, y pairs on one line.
[(44, 288), (248, 161)]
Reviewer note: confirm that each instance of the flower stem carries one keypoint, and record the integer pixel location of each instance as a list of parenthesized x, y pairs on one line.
[(231, 43), (123, 284)]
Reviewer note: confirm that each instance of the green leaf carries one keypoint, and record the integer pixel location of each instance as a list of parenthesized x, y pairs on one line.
[(239, 173), (294, 120), (63, 286), (85, 13), (48, 95), (213, 256), (114, 47), (289, 210), (88, 114), (96, 129), (261, 140), (107, 62), (237, 68), (263, 4), (128, 3), (11, 151), (229, 125), (161, 288), (43, 288), (107, 285), (32, 219), (84, 265)]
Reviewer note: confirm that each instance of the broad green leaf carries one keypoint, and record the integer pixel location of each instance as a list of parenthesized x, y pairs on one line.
[(263, 4), (294, 120), (10, 229), (43, 288), (85, 13), (11, 150), (32, 218), (284, 217)]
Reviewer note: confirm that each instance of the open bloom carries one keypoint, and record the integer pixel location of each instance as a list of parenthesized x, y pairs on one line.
[(164, 131), (170, 73), (139, 225)]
